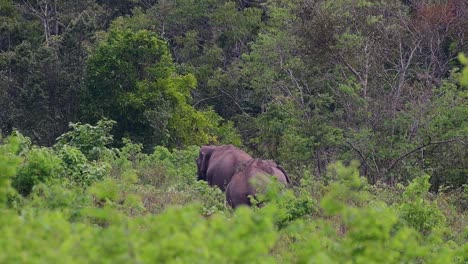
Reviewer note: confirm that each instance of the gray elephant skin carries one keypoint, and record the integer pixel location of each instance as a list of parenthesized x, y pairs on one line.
[(217, 164), (240, 187)]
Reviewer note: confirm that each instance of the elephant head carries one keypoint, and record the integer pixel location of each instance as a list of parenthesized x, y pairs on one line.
[(203, 159), (240, 187)]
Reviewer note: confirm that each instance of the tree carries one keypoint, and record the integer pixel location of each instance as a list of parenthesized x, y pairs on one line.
[(132, 79), (382, 61), (44, 45), (35, 90), (205, 37), (15, 28), (291, 111)]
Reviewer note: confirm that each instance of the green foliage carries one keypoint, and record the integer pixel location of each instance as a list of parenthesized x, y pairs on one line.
[(345, 188), (106, 191), (15, 28), (175, 218), (212, 199), (306, 83), (125, 82), (464, 76), (40, 165), (247, 21), (61, 196), (292, 136), (27, 101), (177, 235), (195, 238), (415, 147), (142, 91), (8, 165), (174, 168), (226, 132), (78, 169), (290, 206), (90, 140), (446, 123), (416, 211), (364, 232)]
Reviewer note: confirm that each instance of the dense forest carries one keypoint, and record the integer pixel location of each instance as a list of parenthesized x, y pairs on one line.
[(104, 106)]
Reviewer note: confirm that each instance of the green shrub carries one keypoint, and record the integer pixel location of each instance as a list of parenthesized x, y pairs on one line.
[(66, 198), (125, 161), (78, 169), (8, 165), (92, 141), (464, 75), (151, 208), (212, 198), (347, 188), (24, 142), (416, 211), (182, 235), (163, 167), (291, 206), (356, 232), (184, 163), (40, 165), (106, 191)]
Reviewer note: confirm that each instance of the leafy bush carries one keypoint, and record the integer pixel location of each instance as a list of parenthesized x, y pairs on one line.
[(246, 238), (135, 207), (363, 233), (290, 205), (213, 200), (177, 235), (8, 165), (143, 91), (416, 211), (69, 199), (40, 165), (78, 169), (92, 141), (464, 76)]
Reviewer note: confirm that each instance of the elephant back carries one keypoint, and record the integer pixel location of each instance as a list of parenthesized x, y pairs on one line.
[(260, 164), (223, 163), (240, 187)]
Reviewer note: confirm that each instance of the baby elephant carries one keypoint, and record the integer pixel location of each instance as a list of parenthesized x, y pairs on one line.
[(240, 187)]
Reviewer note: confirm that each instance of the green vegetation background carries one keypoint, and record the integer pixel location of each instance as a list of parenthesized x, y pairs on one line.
[(69, 204), (104, 104)]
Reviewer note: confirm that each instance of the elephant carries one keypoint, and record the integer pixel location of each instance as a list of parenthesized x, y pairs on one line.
[(240, 186), (217, 164)]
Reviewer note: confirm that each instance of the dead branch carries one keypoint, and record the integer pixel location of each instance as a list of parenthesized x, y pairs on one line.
[(417, 149)]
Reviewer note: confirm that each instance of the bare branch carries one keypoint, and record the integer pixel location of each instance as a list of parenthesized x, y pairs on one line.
[(417, 149), (299, 88), (359, 152), (204, 99), (234, 100)]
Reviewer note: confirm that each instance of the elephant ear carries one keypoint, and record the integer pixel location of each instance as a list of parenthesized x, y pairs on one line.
[(203, 160), (284, 172)]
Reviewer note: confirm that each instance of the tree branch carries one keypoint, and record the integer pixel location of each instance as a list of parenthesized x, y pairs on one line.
[(359, 152), (234, 100), (204, 99), (416, 149)]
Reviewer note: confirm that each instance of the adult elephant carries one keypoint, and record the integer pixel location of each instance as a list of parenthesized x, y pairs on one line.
[(217, 164), (240, 187)]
